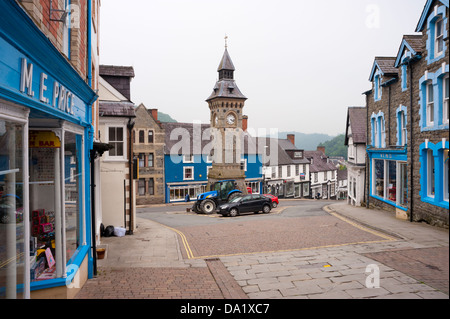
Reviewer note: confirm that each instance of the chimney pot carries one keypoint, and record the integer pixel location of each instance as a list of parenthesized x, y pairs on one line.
[(244, 123), (155, 114), (291, 138)]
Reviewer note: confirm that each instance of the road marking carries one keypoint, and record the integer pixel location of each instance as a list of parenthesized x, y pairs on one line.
[(386, 238)]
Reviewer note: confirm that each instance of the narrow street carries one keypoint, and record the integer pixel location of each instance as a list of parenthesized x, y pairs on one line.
[(303, 249)]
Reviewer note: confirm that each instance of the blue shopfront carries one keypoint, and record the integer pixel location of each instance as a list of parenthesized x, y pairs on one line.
[(388, 176), (45, 142)]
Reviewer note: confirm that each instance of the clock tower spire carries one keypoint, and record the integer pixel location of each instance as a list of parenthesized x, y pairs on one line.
[(226, 104)]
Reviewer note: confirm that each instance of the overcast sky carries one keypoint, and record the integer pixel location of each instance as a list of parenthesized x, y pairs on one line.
[(300, 63)]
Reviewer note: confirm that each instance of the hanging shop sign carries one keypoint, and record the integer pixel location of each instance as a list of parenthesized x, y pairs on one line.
[(43, 139)]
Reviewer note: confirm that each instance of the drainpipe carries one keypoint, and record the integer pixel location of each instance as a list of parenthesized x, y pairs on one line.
[(411, 146), (130, 127), (367, 172), (93, 155)]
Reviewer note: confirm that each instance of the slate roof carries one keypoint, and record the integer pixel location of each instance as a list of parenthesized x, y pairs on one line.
[(342, 174), (226, 63), (116, 70), (112, 108), (226, 87), (386, 65), (356, 116), (319, 163), (415, 41), (252, 145)]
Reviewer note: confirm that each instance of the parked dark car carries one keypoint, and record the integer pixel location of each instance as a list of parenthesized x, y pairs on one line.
[(253, 203)]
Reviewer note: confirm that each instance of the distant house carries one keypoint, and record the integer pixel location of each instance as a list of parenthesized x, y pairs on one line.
[(342, 188), (148, 147), (187, 160), (323, 174), (355, 140), (287, 170), (116, 117)]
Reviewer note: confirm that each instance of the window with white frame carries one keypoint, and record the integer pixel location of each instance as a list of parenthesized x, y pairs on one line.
[(430, 104), (439, 37), (382, 142), (445, 103), (401, 126), (188, 158), (244, 164), (117, 139), (188, 173), (378, 87)]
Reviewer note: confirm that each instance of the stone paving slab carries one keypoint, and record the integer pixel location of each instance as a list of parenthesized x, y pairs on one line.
[(321, 274)]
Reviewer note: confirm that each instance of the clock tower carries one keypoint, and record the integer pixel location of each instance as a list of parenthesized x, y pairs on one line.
[(226, 104)]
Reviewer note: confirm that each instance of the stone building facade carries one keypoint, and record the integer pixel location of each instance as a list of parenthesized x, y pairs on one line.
[(149, 141), (407, 120)]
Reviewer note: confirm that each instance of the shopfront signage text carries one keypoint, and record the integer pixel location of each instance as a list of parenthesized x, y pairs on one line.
[(62, 98)]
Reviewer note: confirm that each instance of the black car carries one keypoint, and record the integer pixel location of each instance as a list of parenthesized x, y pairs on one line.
[(253, 203)]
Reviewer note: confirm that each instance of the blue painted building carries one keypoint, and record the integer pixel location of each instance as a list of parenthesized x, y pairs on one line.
[(46, 135), (187, 161), (408, 123)]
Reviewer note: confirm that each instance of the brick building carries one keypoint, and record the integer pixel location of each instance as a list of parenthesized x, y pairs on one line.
[(407, 119), (148, 146), (48, 127)]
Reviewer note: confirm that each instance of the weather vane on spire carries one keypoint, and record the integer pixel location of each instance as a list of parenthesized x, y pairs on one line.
[(226, 44)]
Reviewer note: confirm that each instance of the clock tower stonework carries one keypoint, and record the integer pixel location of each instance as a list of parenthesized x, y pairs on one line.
[(226, 104)]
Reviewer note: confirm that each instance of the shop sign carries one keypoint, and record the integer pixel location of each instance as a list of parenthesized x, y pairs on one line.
[(43, 139), (60, 98), (302, 176)]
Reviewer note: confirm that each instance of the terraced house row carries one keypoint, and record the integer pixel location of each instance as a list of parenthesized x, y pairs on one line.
[(407, 113)]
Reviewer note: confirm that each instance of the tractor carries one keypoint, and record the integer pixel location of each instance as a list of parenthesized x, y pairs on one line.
[(221, 192)]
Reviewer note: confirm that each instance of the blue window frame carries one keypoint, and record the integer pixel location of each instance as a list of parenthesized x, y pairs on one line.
[(436, 33), (378, 130), (434, 173), (402, 133), (378, 89), (432, 100)]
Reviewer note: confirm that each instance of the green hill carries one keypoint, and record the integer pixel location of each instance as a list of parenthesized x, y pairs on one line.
[(165, 118), (336, 146), (307, 142)]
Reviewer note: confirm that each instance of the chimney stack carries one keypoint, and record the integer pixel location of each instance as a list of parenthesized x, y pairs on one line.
[(244, 122), (291, 138), (155, 114), (321, 148)]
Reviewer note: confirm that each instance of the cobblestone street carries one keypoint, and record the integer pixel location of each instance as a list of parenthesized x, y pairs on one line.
[(412, 260)]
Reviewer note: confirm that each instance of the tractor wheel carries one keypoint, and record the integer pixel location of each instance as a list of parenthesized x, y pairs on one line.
[(234, 212), (208, 206)]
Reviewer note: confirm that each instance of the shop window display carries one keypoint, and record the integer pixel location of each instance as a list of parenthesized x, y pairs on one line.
[(55, 202), (379, 178)]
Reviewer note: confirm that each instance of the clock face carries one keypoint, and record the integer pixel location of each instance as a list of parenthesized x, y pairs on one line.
[(231, 119)]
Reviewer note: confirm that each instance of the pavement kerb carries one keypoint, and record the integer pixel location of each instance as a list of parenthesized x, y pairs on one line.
[(328, 209)]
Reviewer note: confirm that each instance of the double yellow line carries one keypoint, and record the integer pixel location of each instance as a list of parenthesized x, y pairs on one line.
[(187, 248)]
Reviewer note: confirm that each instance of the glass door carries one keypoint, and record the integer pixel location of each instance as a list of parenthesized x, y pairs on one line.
[(13, 270)]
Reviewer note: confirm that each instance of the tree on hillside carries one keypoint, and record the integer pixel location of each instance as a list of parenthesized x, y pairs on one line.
[(336, 146)]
